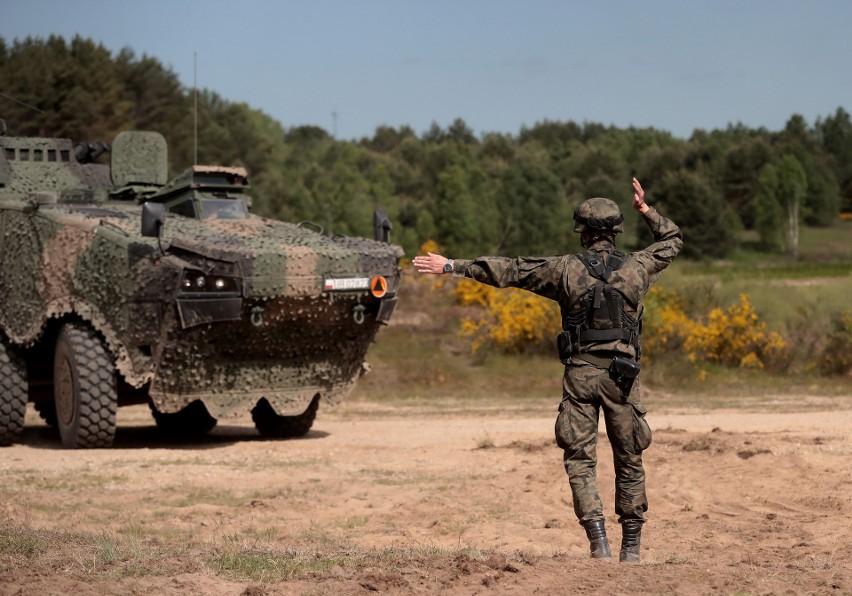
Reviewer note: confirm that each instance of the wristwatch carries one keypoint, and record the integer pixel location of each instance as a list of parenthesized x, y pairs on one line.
[(448, 267)]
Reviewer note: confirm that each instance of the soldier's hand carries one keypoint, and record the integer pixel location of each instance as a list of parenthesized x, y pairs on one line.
[(431, 263), (639, 198)]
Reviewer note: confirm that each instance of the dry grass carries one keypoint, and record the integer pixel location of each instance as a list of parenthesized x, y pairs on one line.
[(107, 556)]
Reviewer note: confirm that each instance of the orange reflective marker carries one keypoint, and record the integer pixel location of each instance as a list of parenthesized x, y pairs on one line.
[(379, 286)]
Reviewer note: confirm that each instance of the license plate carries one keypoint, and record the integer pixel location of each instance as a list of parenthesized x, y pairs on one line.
[(342, 284)]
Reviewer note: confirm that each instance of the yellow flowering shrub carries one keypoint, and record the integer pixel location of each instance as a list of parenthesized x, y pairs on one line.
[(472, 293), (733, 337), (511, 320), (665, 324), (515, 321)]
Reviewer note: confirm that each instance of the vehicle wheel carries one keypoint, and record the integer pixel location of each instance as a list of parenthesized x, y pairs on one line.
[(194, 419), (271, 424), (85, 388), (13, 393), (47, 411)]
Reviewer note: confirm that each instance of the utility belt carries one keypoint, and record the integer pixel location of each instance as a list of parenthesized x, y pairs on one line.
[(568, 342), (622, 370)]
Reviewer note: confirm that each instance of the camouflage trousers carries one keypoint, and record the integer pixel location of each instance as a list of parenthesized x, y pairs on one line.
[(586, 389)]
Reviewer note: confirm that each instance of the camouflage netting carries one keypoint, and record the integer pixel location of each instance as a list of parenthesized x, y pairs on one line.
[(70, 250)]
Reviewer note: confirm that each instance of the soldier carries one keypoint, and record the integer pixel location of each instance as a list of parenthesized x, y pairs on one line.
[(600, 295)]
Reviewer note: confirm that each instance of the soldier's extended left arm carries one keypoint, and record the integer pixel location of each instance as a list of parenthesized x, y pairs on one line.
[(539, 275)]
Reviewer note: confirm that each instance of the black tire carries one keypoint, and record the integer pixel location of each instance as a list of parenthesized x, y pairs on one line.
[(13, 393), (85, 388), (270, 424), (194, 419)]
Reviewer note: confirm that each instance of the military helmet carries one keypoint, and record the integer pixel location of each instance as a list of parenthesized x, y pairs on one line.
[(597, 215)]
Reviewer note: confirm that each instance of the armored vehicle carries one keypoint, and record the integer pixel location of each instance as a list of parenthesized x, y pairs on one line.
[(120, 287)]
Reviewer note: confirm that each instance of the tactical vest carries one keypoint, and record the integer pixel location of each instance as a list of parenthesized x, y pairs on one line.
[(603, 316)]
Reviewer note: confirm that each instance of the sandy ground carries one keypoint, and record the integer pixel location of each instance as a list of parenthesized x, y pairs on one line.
[(740, 502)]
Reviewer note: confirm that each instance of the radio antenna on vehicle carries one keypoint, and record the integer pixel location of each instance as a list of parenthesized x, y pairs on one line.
[(195, 109), (18, 101)]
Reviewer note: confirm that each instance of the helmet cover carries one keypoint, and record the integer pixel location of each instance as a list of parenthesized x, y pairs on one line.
[(598, 215)]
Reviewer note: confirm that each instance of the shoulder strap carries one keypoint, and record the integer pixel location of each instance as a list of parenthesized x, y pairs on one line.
[(595, 266), (614, 262)]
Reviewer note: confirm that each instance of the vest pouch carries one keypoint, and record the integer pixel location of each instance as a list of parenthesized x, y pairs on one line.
[(624, 372), (565, 346)]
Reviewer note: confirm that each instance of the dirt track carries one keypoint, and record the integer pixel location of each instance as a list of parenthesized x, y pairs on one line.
[(748, 502)]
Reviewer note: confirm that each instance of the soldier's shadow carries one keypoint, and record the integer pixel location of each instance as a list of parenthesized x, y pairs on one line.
[(41, 436)]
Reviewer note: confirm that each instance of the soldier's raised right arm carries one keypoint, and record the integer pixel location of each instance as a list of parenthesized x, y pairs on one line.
[(668, 239)]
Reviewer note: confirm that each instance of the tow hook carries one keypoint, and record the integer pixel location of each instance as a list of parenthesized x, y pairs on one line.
[(358, 313), (257, 316)]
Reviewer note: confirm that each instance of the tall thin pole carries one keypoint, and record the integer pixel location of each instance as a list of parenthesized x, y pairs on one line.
[(195, 109), (18, 101)]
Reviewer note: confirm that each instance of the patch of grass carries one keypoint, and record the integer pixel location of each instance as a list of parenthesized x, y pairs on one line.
[(210, 496), (19, 542), (485, 442), (527, 447), (355, 521), (67, 482), (182, 461), (699, 443), (131, 552), (675, 382), (763, 270), (57, 508), (817, 246), (110, 548), (317, 535), (266, 564), (104, 554), (265, 535), (233, 464), (502, 512), (397, 478), (778, 298), (673, 559)]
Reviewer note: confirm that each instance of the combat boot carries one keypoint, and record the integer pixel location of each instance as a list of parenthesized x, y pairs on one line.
[(631, 532), (598, 544)]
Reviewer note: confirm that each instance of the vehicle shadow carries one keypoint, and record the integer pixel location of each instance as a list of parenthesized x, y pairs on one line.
[(150, 437)]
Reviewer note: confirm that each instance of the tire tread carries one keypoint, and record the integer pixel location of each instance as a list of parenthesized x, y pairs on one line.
[(13, 393), (98, 392)]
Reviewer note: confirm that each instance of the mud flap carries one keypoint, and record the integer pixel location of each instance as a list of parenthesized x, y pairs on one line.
[(386, 309)]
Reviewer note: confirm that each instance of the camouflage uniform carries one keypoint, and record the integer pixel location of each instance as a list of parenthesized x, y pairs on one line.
[(587, 387)]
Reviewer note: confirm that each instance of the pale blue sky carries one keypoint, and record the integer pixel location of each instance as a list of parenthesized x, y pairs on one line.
[(499, 65)]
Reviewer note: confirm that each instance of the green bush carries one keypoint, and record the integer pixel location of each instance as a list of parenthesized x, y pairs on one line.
[(836, 358)]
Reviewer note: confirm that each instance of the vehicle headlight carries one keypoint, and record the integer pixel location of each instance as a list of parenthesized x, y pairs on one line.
[(197, 282)]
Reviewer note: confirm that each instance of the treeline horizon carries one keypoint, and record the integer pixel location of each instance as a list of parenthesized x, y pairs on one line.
[(495, 193)]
